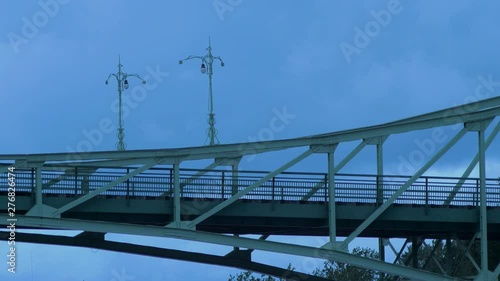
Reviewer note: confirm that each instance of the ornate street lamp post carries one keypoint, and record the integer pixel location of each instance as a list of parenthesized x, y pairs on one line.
[(206, 68), (122, 80)]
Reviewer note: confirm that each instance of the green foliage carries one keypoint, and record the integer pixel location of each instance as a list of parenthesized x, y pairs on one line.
[(459, 267), (345, 272)]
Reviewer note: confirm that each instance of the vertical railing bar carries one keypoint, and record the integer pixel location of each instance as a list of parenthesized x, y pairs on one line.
[(426, 191), (326, 188), (171, 182), (282, 191), (128, 185), (477, 192), (272, 188), (32, 181), (222, 185), (426, 195), (76, 181)]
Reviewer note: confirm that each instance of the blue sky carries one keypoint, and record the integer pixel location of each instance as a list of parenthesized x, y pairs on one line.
[(280, 55)]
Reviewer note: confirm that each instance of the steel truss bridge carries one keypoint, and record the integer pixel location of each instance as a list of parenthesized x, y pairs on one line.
[(147, 193)]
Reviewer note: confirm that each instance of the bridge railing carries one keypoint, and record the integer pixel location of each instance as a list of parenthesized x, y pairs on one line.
[(288, 186)]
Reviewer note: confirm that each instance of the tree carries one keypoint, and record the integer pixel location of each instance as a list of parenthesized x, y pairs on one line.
[(454, 262), (345, 272), (458, 266), (331, 270)]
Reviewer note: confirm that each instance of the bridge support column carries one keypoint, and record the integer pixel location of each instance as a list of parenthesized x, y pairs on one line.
[(408, 183), (480, 127), (472, 165), (332, 220), (483, 210), (39, 210), (336, 169), (177, 196), (379, 142), (234, 162)]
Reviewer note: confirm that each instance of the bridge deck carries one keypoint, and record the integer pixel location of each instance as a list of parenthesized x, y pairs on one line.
[(288, 204)]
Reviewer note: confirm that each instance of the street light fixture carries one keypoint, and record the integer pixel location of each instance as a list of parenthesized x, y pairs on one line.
[(121, 79), (206, 68)]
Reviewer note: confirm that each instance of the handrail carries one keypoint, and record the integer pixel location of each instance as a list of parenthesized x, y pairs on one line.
[(296, 186), (252, 172)]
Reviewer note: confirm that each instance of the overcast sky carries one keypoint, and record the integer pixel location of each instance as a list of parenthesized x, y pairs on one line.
[(327, 65)]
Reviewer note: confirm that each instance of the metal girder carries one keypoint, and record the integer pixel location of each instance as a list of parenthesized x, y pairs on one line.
[(496, 273), (249, 251), (471, 166), (68, 172), (337, 168), (377, 140), (103, 188), (4, 169), (238, 195), (40, 209), (466, 250), (23, 162), (314, 190), (268, 246), (431, 254), (483, 222), (114, 162), (262, 237), (480, 125), (398, 254), (474, 263), (242, 149), (235, 161), (433, 257), (462, 109), (398, 193), (121, 247), (199, 174), (332, 213), (86, 235), (380, 187)]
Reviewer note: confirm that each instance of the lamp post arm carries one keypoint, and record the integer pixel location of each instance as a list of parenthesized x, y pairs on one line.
[(220, 59), (111, 75), (192, 57), (137, 76)]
